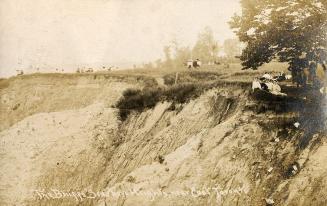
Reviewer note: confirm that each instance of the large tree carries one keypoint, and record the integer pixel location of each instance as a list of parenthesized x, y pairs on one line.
[(292, 31)]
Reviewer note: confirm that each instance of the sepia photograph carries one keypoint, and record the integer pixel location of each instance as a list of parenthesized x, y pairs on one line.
[(163, 103)]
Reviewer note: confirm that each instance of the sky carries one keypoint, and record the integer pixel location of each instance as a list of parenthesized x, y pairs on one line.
[(72, 33)]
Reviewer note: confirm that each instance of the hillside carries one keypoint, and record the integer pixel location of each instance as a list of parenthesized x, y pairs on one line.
[(63, 140)]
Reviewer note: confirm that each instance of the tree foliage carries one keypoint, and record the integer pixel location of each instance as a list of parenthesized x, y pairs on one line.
[(232, 48), (292, 31), (206, 48)]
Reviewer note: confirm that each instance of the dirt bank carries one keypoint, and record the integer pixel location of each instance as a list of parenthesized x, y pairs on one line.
[(225, 147)]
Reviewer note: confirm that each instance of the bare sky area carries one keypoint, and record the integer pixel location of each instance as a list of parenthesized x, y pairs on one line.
[(71, 33)]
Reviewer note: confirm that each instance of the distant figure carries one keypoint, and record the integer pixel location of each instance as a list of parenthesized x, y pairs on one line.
[(216, 62), (189, 64), (256, 84), (305, 76), (288, 76), (281, 77), (19, 72), (266, 76), (264, 87), (267, 85), (321, 75), (89, 70), (296, 74), (197, 63)]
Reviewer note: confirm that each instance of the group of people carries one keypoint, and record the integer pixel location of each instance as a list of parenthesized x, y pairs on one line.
[(269, 83), (313, 73)]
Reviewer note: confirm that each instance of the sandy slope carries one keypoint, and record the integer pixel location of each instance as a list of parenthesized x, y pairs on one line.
[(39, 143)]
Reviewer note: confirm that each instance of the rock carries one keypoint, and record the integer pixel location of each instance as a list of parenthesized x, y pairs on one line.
[(270, 169), (257, 175), (270, 201), (161, 159), (296, 124), (295, 169)]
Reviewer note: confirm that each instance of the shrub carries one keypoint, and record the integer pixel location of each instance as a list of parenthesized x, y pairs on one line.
[(180, 93), (139, 100), (130, 92), (169, 79)]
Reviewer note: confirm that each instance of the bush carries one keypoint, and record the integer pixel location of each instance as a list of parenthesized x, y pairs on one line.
[(180, 93), (131, 92), (169, 79), (139, 100)]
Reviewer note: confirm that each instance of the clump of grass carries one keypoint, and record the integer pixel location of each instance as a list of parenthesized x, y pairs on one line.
[(140, 100), (131, 179)]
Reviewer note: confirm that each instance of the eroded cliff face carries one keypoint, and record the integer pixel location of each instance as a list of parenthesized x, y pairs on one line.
[(223, 148), (23, 96)]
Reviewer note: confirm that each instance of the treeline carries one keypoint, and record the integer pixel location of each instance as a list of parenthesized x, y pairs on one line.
[(206, 48)]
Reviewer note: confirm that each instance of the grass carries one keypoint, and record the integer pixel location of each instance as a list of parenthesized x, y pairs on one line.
[(71, 77), (191, 77), (4, 83)]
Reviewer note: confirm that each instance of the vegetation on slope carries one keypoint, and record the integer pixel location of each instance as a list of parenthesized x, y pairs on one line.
[(139, 100)]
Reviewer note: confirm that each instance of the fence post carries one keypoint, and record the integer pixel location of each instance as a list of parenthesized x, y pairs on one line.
[(176, 77)]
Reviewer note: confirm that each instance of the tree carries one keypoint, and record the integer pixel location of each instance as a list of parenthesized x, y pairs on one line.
[(158, 63), (182, 54), (292, 31), (206, 48), (168, 58), (232, 48)]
